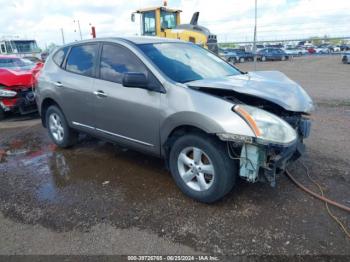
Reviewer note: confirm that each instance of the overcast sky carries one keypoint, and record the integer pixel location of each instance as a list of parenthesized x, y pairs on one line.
[(231, 20)]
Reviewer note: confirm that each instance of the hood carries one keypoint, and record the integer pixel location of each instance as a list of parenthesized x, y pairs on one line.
[(25, 78), (272, 86)]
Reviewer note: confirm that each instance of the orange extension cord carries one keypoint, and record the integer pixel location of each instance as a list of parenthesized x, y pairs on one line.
[(322, 198)]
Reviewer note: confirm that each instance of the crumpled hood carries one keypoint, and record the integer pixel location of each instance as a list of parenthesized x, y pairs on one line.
[(272, 86), (14, 78)]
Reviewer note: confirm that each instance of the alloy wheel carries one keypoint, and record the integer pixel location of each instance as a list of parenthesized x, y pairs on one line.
[(56, 128), (196, 168)]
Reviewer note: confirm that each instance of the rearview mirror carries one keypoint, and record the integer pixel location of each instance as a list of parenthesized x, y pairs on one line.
[(133, 79), (133, 17)]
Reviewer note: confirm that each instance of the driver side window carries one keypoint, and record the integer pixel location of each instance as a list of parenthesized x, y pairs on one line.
[(117, 60)]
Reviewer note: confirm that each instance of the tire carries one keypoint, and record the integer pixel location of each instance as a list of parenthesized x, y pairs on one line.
[(221, 176), (344, 60), (263, 58), (232, 60), (242, 60), (59, 131), (2, 114)]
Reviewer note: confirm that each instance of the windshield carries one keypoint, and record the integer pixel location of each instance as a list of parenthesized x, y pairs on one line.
[(16, 63), (184, 62), (25, 46)]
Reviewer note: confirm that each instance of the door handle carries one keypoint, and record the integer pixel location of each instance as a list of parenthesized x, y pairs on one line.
[(58, 84), (100, 93)]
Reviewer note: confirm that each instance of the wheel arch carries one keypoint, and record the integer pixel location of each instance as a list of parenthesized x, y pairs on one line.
[(47, 102)]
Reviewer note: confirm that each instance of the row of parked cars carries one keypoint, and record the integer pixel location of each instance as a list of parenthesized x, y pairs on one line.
[(265, 54), (278, 52)]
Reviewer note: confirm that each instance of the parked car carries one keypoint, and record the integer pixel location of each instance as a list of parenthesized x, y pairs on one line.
[(229, 56), (272, 54), (334, 48), (322, 50), (311, 50), (242, 55), (17, 78), (290, 51), (344, 47), (346, 58), (211, 122)]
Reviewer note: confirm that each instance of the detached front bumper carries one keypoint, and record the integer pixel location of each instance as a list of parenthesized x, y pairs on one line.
[(24, 103)]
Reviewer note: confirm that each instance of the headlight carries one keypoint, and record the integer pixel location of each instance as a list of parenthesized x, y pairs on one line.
[(266, 126), (7, 93)]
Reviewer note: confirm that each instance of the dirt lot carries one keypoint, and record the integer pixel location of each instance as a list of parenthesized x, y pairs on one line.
[(55, 201)]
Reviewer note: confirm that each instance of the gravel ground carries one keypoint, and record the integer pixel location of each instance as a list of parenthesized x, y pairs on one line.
[(97, 198)]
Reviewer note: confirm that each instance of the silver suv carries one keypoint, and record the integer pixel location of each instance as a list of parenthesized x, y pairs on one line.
[(211, 122)]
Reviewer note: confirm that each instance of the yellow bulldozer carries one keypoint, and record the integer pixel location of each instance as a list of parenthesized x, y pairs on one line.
[(165, 22)]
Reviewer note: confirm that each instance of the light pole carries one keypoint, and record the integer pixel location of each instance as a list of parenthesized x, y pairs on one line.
[(81, 36), (254, 43), (62, 34)]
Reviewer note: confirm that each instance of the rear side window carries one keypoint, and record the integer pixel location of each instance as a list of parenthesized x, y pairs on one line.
[(60, 55), (81, 59), (117, 60)]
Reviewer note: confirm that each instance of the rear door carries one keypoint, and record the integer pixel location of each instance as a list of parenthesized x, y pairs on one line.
[(75, 85), (127, 115)]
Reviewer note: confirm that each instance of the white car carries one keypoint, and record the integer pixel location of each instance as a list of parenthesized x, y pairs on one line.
[(322, 50), (295, 51)]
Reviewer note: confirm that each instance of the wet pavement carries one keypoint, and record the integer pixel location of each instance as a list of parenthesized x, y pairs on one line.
[(96, 183)]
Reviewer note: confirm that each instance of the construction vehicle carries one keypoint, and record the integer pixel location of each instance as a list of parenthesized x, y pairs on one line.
[(165, 22)]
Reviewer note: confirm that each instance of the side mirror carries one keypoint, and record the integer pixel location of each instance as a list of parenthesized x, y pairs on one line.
[(133, 17), (138, 80)]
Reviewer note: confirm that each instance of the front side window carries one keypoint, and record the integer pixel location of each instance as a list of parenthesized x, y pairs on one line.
[(184, 62), (81, 59), (117, 60), (149, 23), (167, 20), (60, 55)]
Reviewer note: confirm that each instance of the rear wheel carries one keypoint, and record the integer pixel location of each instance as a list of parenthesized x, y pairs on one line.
[(59, 131), (201, 167)]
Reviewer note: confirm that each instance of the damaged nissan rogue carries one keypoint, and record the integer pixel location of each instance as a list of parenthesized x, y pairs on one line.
[(211, 122)]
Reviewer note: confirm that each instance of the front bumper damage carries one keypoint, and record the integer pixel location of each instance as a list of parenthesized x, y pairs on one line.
[(23, 102), (262, 161)]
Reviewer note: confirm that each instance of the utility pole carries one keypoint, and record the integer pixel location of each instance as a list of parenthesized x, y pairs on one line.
[(254, 44), (78, 22), (62, 34)]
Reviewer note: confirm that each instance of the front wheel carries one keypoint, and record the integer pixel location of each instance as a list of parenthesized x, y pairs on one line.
[(232, 60), (201, 167), (345, 60), (59, 131)]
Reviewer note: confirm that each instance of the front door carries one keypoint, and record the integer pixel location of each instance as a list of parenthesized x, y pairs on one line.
[(127, 115)]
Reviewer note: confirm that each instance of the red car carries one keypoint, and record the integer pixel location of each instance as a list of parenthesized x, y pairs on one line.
[(311, 50), (17, 80)]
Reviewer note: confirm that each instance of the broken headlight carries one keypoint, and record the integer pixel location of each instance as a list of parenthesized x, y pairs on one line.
[(266, 126), (7, 93)]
